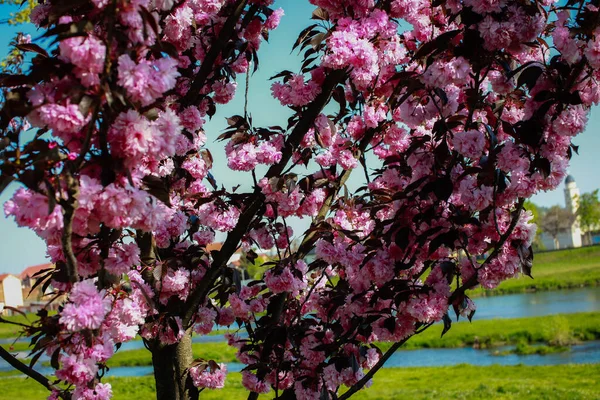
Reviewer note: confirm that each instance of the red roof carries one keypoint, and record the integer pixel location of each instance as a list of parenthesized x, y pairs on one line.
[(30, 271), (4, 276)]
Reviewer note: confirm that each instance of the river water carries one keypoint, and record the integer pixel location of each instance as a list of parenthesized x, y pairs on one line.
[(587, 353), (538, 303), (508, 306)]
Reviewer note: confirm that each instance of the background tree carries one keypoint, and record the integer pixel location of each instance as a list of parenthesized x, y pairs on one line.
[(588, 213), (557, 220), (254, 265), (13, 61), (22, 15), (451, 124), (535, 212)]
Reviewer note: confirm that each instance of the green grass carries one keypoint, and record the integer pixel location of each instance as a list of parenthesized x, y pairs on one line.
[(557, 331), (555, 270), (19, 346), (220, 352), (8, 330), (467, 382), (523, 349)]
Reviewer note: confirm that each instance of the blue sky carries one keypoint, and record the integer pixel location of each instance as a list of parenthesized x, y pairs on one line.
[(20, 248)]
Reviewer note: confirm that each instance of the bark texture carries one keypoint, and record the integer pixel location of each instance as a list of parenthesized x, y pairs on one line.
[(171, 363)]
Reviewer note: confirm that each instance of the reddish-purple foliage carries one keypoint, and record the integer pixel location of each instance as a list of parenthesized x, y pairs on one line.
[(464, 115)]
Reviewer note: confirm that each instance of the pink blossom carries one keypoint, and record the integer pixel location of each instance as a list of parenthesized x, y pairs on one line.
[(204, 237), (241, 158), (217, 218), (102, 391), (86, 308), (191, 119), (87, 54), (147, 81), (39, 13), (252, 383), (62, 119), (31, 209), (295, 92), (175, 282), (445, 72), (274, 19), (285, 280), (428, 308), (470, 143), (571, 121), (76, 370), (178, 27), (224, 91), (204, 377), (485, 6)]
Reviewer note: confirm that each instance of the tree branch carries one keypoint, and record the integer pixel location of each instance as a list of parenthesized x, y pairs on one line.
[(215, 50), (472, 281), (256, 200), (369, 375), (69, 206), (30, 372)]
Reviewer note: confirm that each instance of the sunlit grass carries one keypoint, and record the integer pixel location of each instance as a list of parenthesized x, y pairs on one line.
[(554, 270), (571, 382)]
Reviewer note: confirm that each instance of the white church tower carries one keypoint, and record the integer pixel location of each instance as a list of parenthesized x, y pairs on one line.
[(572, 204), (569, 237)]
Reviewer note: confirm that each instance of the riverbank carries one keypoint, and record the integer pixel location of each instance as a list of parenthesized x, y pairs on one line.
[(554, 270), (459, 382), (554, 333)]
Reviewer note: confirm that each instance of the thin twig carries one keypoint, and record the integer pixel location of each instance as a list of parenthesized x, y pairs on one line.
[(256, 200), (30, 372), (215, 50), (369, 375), (69, 206), (472, 281)]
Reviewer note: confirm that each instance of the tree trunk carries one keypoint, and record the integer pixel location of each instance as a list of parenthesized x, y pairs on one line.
[(170, 364)]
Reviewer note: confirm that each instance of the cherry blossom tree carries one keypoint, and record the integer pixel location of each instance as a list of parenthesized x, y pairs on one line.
[(454, 111)]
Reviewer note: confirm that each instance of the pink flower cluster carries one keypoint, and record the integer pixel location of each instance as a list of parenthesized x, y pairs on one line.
[(295, 92), (146, 81), (86, 308), (205, 377), (289, 279), (246, 156), (87, 54)]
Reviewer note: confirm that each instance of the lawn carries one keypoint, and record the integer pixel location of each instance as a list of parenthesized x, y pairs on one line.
[(554, 270), (220, 352), (10, 330), (459, 382), (555, 331), (560, 329)]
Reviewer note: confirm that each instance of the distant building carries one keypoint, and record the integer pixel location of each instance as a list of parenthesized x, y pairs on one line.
[(571, 237), (11, 294), (28, 280)]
